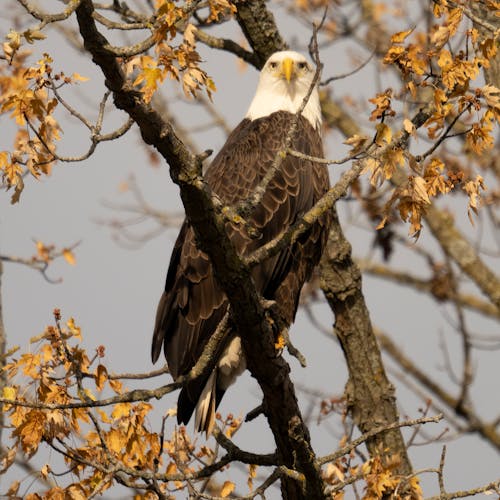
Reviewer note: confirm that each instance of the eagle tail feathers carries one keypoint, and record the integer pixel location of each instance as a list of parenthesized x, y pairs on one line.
[(207, 403)]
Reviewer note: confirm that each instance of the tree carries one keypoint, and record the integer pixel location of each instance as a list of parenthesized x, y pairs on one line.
[(424, 145)]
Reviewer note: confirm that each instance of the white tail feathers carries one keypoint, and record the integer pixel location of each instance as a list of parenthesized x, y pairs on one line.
[(205, 409), (231, 364)]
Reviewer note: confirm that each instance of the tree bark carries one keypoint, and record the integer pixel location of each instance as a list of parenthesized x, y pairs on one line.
[(259, 27), (370, 395)]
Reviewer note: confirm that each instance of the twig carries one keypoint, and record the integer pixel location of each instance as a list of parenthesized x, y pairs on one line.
[(138, 376), (442, 491), (354, 71), (229, 46), (494, 486), (367, 435)]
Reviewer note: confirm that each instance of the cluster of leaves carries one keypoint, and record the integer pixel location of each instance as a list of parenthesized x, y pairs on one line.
[(433, 72), (25, 95), (28, 93), (379, 477), (47, 253), (52, 390), (181, 62)]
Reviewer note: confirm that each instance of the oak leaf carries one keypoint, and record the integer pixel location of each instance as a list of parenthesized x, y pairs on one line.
[(227, 489)]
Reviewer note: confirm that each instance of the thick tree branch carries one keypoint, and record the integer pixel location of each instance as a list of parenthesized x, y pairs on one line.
[(229, 46), (260, 29), (458, 248), (370, 395), (430, 286)]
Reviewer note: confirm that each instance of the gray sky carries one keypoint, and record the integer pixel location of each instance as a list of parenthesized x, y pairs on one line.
[(112, 292)]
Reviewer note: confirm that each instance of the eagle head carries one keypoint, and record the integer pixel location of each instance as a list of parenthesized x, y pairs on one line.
[(285, 80)]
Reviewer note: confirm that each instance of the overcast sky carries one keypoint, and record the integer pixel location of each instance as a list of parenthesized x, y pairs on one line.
[(112, 291)]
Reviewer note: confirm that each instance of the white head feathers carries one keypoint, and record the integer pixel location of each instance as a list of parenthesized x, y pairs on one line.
[(284, 81)]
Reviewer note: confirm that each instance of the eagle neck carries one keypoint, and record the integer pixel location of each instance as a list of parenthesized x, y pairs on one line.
[(267, 102)]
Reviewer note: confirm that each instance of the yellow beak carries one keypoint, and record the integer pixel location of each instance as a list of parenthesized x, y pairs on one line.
[(288, 69)]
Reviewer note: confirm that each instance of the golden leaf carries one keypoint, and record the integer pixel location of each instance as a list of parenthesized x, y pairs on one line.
[(373, 167), (444, 59), (12, 172), (412, 88), (8, 458), (473, 189), (414, 484), (227, 489), (88, 393), (233, 427), (151, 76), (69, 256), (32, 35), (9, 393), (488, 48), (409, 126), (384, 134), (392, 158), (382, 103), (116, 385), (74, 329), (280, 342), (100, 376), (13, 489), (334, 470), (75, 492), (45, 470), (356, 141), (492, 96), (171, 468), (382, 223), (31, 365), (440, 36), (13, 44), (79, 78), (116, 440), (252, 473), (104, 416), (190, 34), (400, 36), (419, 190), (30, 432), (121, 410)]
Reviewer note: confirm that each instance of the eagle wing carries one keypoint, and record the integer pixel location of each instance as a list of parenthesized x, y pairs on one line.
[(193, 303)]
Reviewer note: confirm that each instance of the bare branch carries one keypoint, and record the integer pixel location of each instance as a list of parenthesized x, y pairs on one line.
[(368, 435), (229, 46)]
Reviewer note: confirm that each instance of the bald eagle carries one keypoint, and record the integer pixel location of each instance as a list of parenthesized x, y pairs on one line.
[(193, 304)]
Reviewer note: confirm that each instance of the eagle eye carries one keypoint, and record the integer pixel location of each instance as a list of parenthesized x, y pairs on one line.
[(302, 65), (273, 65)]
